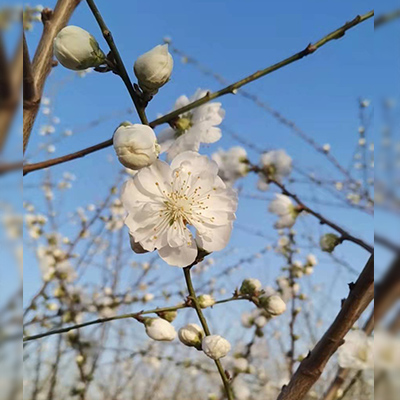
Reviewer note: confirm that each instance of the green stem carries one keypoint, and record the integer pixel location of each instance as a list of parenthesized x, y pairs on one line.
[(203, 321), (122, 72)]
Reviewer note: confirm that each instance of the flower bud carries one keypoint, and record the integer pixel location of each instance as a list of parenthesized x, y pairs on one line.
[(250, 286), (240, 365), (159, 329), (328, 242), (136, 145), (312, 260), (191, 335), (77, 49), (215, 346), (273, 305), (206, 300), (168, 315), (153, 69)]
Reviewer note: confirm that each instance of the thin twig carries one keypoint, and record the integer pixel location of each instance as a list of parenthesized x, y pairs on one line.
[(136, 316), (122, 72), (344, 234)]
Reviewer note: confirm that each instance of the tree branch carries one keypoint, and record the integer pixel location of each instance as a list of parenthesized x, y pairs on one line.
[(310, 49), (122, 72), (10, 88), (53, 22), (311, 368), (387, 292)]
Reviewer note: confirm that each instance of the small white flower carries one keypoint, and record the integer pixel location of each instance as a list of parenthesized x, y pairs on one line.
[(328, 242), (77, 49), (326, 148), (276, 164), (153, 69), (283, 207), (193, 127), (339, 186), (206, 300), (312, 260), (365, 103), (159, 329), (260, 321), (241, 390), (357, 351), (362, 141), (148, 297), (386, 351), (250, 286), (215, 347), (232, 164), (240, 364), (191, 335), (136, 145), (163, 200), (273, 305)]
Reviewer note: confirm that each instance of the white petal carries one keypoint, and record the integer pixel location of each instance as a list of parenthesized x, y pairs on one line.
[(216, 238), (179, 256)]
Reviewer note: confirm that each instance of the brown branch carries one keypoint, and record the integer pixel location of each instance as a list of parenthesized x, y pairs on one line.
[(11, 80), (28, 81), (387, 292), (310, 49), (311, 368), (53, 22)]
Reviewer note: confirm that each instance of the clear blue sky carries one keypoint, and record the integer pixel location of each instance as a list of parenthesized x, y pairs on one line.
[(234, 38)]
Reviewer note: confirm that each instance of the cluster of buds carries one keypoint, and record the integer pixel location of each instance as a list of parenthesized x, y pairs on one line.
[(135, 144)]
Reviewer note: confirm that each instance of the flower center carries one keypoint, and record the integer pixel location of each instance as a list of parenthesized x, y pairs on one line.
[(182, 125)]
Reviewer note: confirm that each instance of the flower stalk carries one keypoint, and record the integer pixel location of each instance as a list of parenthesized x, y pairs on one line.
[(203, 321)]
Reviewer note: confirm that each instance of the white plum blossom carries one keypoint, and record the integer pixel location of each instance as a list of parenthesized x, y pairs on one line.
[(312, 260), (250, 286), (241, 390), (283, 207), (77, 49), (191, 335), (232, 164), (163, 201), (136, 145), (357, 352), (386, 351), (273, 305), (240, 364), (215, 346), (153, 69), (159, 329), (275, 164), (192, 128), (326, 148), (206, 300)]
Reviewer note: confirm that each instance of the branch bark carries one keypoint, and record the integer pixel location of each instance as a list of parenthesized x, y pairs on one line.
[(231, 89), (10, 89), (311, 368), (53, 22), (387, 292)]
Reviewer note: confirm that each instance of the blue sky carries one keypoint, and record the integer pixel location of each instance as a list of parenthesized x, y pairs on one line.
[(235, 39)]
